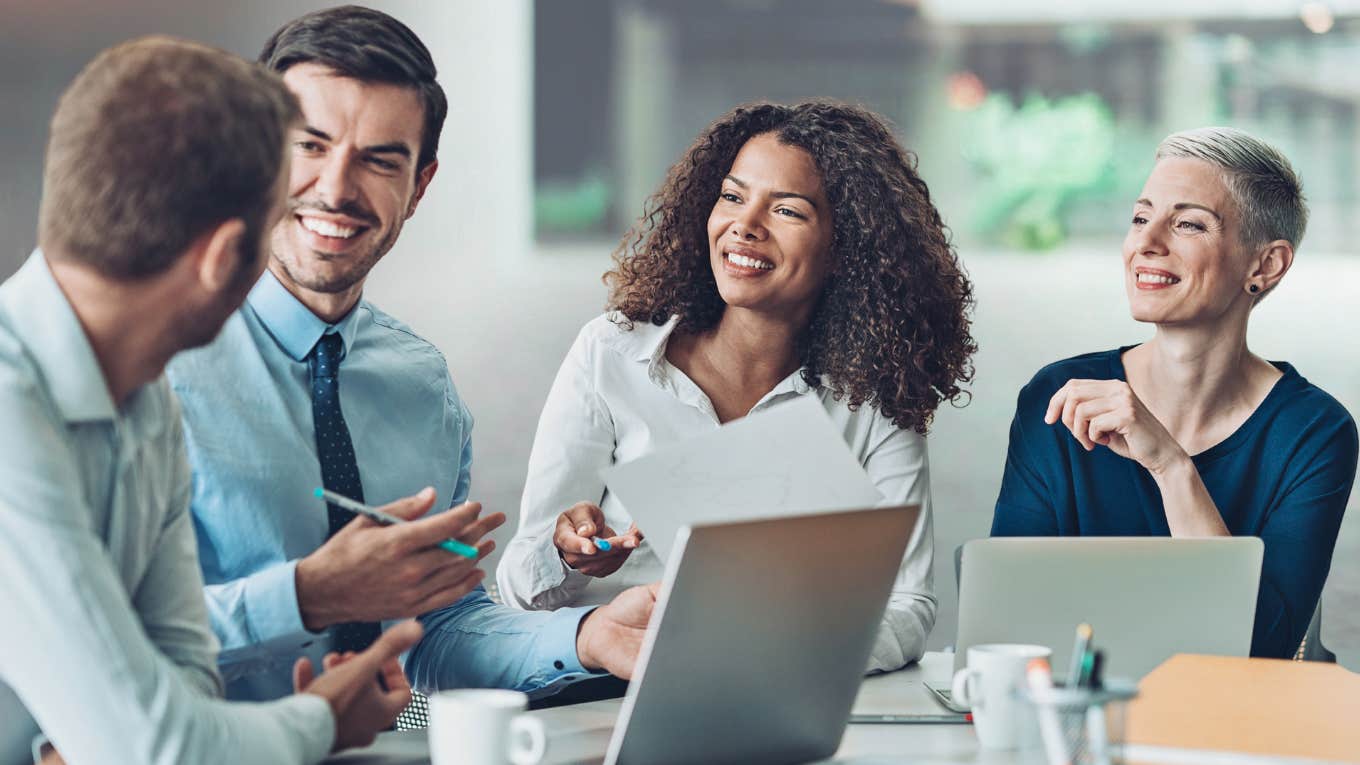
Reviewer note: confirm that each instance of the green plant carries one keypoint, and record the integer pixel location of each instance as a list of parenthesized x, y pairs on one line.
[(1033, 160)]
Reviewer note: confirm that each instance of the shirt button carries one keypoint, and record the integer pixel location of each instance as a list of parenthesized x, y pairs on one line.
[(559, 665)]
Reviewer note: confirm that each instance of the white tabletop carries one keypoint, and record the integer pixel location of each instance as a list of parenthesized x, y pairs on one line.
[(580, 733)]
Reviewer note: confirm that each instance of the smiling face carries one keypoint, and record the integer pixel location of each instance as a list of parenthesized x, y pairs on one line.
[(770, 231), (353, 183), (1183, 259)]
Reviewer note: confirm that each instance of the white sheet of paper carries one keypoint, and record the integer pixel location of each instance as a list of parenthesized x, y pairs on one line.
[(787, 460)]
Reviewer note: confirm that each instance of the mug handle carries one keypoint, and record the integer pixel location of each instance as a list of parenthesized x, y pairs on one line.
[(528, 741), (962, 690)]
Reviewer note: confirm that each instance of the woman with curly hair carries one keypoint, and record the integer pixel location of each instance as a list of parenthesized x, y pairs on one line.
[(792, 251)]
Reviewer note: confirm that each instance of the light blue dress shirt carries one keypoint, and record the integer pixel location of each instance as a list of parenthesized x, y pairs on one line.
[(248, 423), (106, 645)]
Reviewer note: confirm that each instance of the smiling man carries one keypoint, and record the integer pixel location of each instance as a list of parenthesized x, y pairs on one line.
[(347, 212), (164, 171), (311, 385)]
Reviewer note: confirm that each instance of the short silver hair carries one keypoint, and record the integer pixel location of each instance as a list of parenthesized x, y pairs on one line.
[(1261, 181)]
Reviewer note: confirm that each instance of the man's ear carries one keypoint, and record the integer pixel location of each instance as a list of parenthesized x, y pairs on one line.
[(219, 256), (423, 177)]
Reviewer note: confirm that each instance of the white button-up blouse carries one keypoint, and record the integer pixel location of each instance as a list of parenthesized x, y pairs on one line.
[(616, 398)]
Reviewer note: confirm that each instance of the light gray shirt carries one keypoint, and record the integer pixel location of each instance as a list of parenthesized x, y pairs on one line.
[(617, 398), (106, 647)]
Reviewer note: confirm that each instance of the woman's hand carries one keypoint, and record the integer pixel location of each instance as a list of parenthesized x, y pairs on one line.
[(575, 529), (1107, 412)]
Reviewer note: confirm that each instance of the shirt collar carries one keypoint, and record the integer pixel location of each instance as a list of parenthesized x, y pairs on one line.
[(293, 325), (54, 338), (648, 344), (649, 341)]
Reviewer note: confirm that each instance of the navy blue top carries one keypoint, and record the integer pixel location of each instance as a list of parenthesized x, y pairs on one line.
[(1284, 476)]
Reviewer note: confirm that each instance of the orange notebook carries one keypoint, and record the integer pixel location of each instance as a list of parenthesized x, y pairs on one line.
[(1262, 707)]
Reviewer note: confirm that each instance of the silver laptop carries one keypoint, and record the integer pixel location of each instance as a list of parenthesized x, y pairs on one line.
[(760, 637), (1145, 597)]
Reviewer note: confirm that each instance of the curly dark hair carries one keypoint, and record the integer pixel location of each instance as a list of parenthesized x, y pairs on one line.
[(891, 327)]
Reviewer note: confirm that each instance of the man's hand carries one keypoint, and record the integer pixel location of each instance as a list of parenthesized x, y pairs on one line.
[(1108, 413), (368, 572), (351, 686), (577, 525), (610, 637)]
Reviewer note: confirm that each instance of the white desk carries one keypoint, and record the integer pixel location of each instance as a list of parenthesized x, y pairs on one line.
[(581, 733)]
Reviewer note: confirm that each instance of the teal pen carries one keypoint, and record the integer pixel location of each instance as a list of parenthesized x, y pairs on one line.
[(1088, 663), (359, 508), (1095, 678), (1079, 652)]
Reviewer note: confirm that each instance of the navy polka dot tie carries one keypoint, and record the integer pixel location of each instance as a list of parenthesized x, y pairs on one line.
[(339, 469)]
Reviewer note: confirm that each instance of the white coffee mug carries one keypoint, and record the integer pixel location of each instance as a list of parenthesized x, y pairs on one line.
[(484, 727), (988, 686)]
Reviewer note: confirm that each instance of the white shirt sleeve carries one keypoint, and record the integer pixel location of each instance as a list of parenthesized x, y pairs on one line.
[(83, 661), (575, 440), (899, 466)]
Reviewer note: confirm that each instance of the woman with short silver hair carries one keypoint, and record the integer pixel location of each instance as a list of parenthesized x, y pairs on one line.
[(1190, 434)]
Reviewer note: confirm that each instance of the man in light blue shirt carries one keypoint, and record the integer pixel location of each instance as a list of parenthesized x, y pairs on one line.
[(164, 170), (310, 385)]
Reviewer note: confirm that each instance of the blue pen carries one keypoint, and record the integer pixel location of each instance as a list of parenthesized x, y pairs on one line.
[(359, 508)]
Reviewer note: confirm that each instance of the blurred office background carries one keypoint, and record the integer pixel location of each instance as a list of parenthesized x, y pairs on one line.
[(1034, 122)]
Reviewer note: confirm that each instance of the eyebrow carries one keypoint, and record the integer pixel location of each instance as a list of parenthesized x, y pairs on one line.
[(1186, 206), (395, 147), (777, 194)]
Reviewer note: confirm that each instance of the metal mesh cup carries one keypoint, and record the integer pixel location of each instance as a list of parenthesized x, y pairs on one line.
[(1082, 726)]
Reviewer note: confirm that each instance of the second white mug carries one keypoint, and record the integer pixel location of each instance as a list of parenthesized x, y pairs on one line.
[(988, 685), (484, 727)]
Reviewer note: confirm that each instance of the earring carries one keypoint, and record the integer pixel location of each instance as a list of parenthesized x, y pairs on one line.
[(1253, 289)]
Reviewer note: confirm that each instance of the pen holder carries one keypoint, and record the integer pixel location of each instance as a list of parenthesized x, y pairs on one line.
[(1081, 726)]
